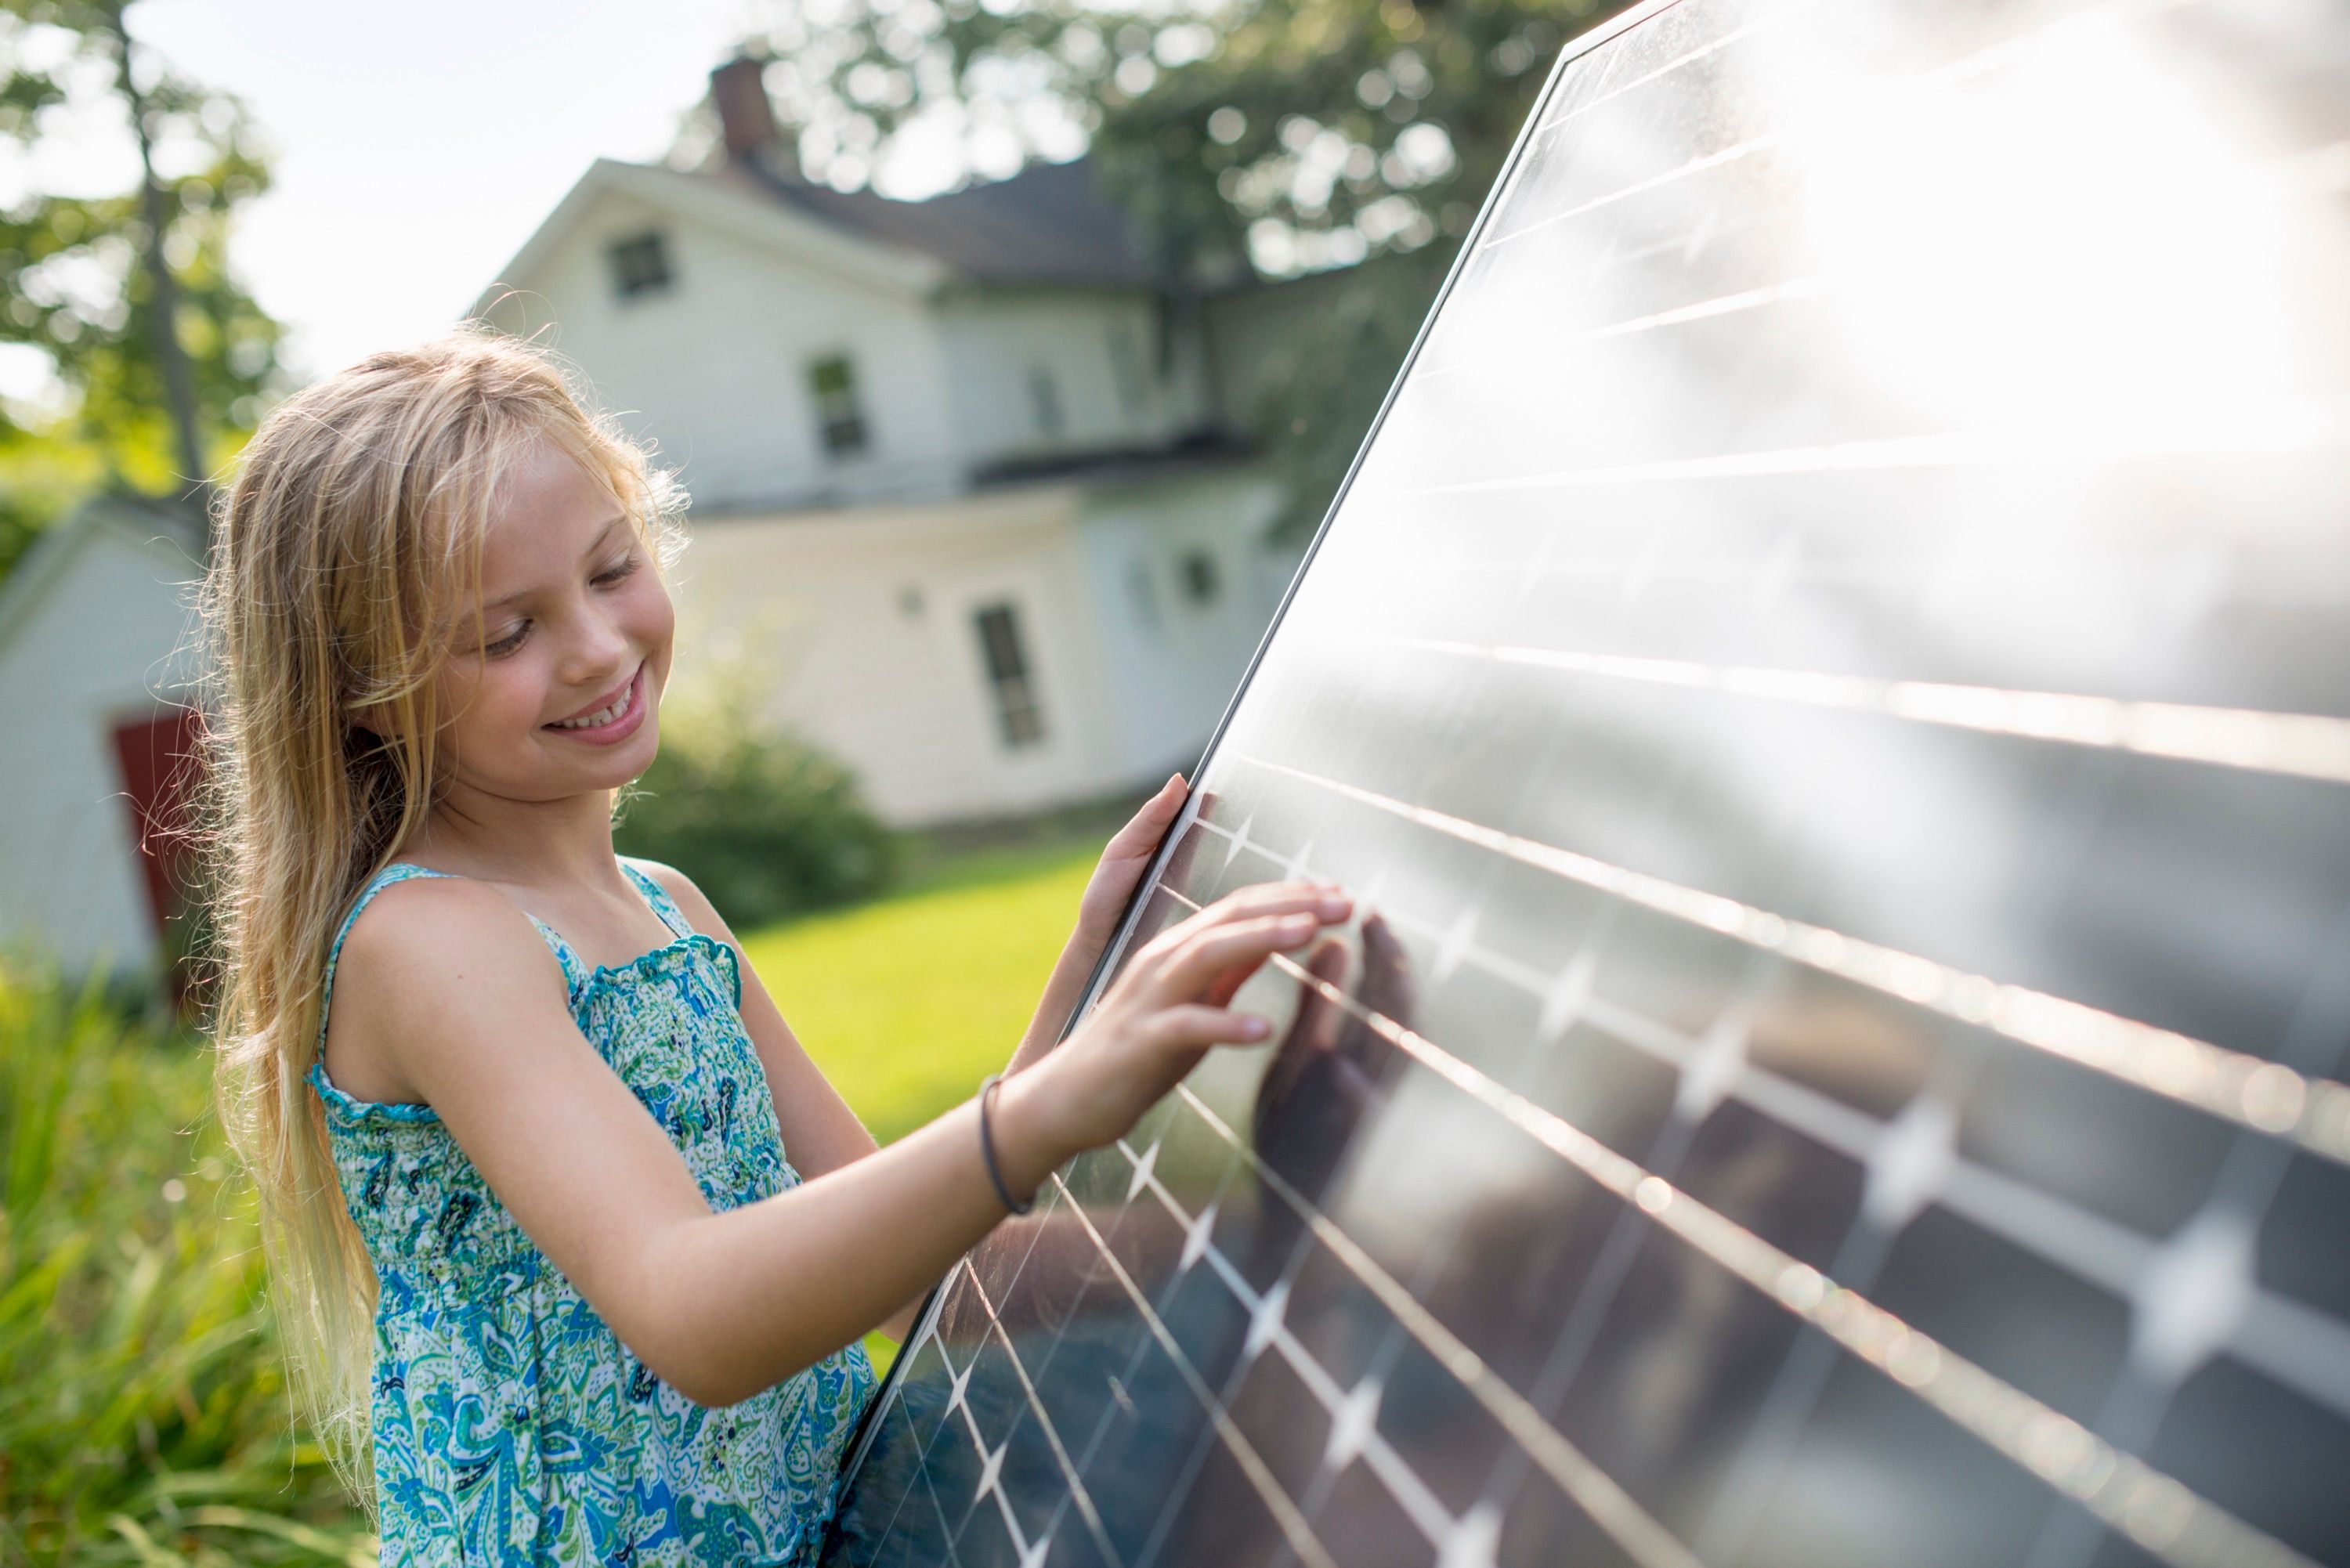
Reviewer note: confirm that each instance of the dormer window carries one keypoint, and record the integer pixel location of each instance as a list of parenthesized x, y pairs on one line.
[(839, 416), (640, 266)]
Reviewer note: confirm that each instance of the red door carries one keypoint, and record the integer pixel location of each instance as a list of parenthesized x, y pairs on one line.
[(161, 766)]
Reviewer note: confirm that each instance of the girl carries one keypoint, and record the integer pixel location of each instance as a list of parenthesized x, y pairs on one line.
[(517, 1110)]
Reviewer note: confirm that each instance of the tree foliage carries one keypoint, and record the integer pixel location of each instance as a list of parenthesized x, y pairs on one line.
[(1274, 136), (77, 291)]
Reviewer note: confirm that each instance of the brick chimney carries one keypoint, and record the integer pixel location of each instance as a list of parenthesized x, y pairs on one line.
[(746, 120)]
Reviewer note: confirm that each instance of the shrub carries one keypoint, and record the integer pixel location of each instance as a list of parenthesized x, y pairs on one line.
[(765, 825)]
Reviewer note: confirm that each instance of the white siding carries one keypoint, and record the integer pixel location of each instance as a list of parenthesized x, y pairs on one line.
[(1174, 661), (861, 627), (996, 342), (97, 650), (713, 369)]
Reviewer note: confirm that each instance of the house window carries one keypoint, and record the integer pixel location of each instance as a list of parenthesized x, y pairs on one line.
[(1126, 368), (1045, 397), (1201, 582), (640, 266), (1017, 712), (839, 421)]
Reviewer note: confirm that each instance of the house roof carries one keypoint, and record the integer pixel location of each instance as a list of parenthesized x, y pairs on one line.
[(1049, 224)]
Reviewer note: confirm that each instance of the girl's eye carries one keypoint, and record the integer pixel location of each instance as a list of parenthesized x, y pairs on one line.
[(621, 568), (508, 643)]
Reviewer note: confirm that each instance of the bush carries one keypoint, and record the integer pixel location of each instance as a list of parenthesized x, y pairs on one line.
[(145, 1419), (764, 824)]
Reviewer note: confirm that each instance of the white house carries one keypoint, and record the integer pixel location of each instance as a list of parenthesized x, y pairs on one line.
[(97, 638), (965, 497), (967, 508)]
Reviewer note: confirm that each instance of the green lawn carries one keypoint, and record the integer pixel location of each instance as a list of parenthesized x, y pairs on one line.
[(909, 1001)]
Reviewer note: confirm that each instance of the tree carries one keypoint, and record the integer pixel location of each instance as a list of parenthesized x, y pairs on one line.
[(1285, 135), (108, 289)]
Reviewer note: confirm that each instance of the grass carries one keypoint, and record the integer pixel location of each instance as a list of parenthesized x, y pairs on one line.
[(145, 1419), (144, 1416)]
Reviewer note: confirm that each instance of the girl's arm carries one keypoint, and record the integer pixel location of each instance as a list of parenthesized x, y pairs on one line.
[(449, 985), (821, 1132), (820, 1129)]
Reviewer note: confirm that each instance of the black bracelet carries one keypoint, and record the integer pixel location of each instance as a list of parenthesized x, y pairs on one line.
[(987, 1147)]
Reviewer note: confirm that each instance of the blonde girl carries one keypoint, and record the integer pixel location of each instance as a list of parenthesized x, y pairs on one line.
[(517, 1109)]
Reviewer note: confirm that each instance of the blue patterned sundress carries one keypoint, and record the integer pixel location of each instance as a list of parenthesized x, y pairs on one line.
[(510, 1425)]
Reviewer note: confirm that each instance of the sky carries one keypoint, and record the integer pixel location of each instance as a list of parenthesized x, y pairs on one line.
[(417, 146), (414, 149)]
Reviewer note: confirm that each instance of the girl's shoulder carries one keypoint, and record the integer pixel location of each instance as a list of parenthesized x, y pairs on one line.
[(414, 942), (408, 917)]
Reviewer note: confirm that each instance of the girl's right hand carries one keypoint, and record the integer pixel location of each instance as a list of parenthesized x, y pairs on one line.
[(1165, 1011)]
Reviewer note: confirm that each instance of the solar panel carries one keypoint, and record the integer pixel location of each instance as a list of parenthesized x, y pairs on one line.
[(1829, 680)]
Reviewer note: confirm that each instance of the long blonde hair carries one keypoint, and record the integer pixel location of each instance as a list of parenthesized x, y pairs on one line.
[(342, 553)]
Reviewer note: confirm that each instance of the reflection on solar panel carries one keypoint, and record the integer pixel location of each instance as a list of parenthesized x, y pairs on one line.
[(1831, 673)]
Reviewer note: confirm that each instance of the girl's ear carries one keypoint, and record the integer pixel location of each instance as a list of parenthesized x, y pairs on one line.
[(375, 718)]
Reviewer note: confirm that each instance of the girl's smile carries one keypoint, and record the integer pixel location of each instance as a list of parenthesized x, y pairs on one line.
[(610, 719)]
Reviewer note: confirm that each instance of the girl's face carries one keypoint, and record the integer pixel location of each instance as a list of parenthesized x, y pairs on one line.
[(556, 691)]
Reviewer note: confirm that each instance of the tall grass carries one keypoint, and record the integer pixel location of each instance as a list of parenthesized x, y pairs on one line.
[(144, 1418), (143, 1412)]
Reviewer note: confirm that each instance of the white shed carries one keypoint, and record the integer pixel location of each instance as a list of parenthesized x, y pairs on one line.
[(97, 668)]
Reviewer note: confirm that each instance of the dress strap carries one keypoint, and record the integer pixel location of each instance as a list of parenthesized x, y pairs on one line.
[(398, 871), (662, 904), (575, 968)]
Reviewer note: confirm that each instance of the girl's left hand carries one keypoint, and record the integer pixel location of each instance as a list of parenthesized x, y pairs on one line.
[(1123, 862), (1114, 881)]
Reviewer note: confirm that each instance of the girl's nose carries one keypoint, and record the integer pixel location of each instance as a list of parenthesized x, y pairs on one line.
[(599, 650)]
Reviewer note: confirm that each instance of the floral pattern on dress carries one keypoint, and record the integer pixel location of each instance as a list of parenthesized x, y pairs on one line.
[(510, 1425)]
